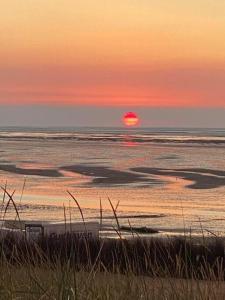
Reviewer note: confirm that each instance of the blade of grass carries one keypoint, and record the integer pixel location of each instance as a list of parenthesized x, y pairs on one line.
[(116, 218), (100, 213), (80, 210), (8, 203)]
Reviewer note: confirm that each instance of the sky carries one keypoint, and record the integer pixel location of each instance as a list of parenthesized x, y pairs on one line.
[(162, 58)]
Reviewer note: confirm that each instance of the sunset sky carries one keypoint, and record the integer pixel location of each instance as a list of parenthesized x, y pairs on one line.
[(116, 55)]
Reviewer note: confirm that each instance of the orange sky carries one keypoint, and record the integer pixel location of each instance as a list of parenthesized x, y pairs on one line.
[(101, 52)]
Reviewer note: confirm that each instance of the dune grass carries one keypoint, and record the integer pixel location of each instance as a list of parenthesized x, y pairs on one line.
[(65, 267), (68, 268), (63, 282)]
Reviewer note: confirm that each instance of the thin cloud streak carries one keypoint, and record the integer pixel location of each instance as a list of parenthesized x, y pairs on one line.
[(188, 87)]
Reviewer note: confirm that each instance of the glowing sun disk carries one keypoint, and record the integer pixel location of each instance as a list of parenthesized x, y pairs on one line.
[(130, 119)]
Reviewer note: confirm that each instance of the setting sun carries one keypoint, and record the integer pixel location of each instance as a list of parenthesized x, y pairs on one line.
[(130, 119)]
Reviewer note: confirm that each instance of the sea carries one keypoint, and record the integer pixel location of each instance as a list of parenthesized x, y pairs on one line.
[(171, 180)]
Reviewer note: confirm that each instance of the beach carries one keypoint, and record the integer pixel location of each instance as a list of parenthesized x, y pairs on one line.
[(171, 180)]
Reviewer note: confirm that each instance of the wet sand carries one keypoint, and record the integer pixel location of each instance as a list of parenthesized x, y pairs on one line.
[(105, 175), (205, 171), (197, 175), (116, 138), (102, 175), (202, 178), (33, 172)]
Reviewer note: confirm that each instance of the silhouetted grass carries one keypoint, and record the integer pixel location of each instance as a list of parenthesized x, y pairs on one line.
[(65, 267), (179, 257)]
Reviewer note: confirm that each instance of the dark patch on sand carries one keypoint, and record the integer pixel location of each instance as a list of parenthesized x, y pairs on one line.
[(138, 229), (200, 180), (141, 216), (105, 175), (205, 171), (35, 172)]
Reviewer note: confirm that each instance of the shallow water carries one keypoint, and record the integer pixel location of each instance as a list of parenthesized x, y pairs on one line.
[(167, 179)]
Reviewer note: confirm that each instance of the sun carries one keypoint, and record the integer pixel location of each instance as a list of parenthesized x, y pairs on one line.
[(130, 119)]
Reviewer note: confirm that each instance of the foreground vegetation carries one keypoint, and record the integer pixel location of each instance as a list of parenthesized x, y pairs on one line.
[(63, 282), (67, 268)]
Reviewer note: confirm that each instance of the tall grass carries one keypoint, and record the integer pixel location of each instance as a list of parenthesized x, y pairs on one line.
[(65, 267), (115, 269), (150, 257)]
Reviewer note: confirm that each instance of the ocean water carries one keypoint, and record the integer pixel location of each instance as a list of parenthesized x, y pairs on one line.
[(172, 180)]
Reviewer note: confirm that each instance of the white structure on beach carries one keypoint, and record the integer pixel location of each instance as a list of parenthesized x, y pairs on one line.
[(34, 230)]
